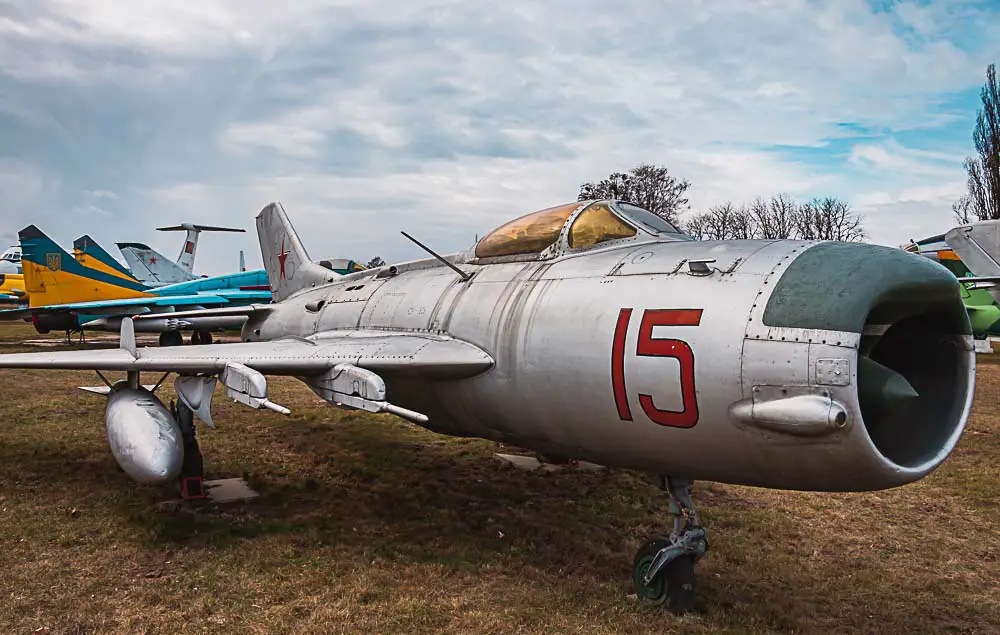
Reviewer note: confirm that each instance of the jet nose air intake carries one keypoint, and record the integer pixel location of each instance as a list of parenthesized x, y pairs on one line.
[(915, 362)]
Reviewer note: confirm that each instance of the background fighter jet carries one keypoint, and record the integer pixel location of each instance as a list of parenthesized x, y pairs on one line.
[(596, 330), (972, 254), (153, 268)]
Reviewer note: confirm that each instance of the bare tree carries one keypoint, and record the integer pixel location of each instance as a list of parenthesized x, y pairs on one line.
[(961, 208), (775, 218), (646, 185), (722, 222), (828, 219), (984, 170), (697, 226)]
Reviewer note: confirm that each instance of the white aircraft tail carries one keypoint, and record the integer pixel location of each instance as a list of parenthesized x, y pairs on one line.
[(186, 259), (286, 261), (151, 267)]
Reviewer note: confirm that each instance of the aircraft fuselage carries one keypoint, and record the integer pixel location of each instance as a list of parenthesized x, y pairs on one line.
[(636, 356)]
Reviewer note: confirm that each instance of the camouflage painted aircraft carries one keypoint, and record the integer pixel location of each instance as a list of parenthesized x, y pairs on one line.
[(595, 330), (953, 250)]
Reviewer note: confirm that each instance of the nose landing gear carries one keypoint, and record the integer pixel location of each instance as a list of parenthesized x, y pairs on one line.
[(663, 568)]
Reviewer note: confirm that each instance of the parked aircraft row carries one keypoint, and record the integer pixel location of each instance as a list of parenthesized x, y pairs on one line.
[(91, 290), (593, 330), (145, 264)]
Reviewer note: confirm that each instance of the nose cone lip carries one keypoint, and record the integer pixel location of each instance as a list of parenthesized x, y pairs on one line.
[(913, 359)]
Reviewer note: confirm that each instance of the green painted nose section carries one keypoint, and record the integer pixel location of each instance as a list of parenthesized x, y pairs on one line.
[(836, 286)]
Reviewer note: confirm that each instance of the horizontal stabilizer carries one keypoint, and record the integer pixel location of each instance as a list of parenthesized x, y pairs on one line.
[(199, 228)]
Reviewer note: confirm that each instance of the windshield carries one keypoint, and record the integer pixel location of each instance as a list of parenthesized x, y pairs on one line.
[(648, 219)]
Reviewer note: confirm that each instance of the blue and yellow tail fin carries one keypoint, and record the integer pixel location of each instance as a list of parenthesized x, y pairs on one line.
[(53, 276), (89, 254)]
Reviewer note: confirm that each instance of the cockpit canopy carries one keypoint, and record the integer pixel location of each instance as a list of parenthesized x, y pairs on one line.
[(12, 254), (590, 223)]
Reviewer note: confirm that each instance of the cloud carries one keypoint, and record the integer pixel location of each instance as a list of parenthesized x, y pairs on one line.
[(447, 118)]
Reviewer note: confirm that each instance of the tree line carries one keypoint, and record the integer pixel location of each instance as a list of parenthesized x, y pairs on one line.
[(652, 187)]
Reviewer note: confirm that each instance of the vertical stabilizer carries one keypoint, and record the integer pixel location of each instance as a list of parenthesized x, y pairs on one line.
[(52, 276), (89, 254), (152, 267), (288, 266)]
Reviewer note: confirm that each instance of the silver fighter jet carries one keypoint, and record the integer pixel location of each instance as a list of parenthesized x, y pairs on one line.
[(598, 331)]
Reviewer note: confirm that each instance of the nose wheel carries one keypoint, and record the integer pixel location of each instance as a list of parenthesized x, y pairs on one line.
[(663, 568)]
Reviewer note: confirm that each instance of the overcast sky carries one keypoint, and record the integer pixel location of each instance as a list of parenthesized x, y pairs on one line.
[(445, 119)]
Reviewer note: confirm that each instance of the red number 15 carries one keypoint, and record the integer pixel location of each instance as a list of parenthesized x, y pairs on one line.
[(649, 346)]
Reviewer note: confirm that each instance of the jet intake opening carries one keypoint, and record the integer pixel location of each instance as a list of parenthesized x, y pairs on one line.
[(915, 373)]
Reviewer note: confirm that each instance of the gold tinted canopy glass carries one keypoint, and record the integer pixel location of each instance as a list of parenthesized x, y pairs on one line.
[(598, 224), (529, 234)]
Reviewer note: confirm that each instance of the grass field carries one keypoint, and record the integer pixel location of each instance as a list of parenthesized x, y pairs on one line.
[(366, 523)]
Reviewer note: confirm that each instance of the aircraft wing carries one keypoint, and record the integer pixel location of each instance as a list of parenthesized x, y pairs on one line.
[(377, 351)]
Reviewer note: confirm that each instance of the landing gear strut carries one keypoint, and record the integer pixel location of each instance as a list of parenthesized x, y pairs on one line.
[(192, 478), (82, 339), (663, 569)]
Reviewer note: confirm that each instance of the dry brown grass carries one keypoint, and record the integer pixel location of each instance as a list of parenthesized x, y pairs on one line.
[(366, 523)]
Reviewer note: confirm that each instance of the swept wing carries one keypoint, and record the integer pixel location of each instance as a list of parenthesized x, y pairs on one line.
[(430, 355)]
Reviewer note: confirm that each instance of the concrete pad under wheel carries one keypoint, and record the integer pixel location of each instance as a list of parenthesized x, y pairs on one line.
[(532, 463), (229, 490)]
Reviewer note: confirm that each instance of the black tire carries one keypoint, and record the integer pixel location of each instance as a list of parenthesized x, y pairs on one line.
[(206, 337), (673, 588), (171, 338), (195, 338), (680, 585)]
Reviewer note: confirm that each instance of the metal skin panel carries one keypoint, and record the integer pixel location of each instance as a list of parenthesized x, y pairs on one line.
[(543, 313)]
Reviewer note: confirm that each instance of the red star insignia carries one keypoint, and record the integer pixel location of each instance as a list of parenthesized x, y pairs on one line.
[(281, 259), (152, 260)]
